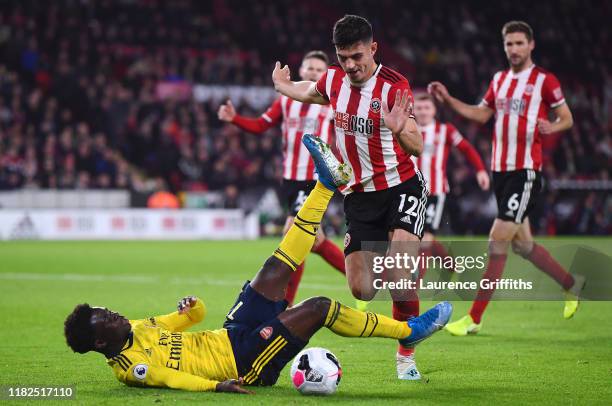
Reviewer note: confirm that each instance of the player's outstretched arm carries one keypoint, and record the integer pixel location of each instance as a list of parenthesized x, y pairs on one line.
[(479, 113), (164, 377), (227, 112), (233, 386), (190, 311), (304, 91), (470, 153), (267, 120)]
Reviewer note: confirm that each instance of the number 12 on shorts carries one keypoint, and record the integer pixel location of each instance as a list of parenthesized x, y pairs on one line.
[(412, 201)]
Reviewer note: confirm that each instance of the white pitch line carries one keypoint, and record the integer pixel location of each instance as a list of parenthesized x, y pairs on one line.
[(73, 277)]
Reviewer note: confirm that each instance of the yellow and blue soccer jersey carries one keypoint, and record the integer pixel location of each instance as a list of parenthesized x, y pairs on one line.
[(160, 354)]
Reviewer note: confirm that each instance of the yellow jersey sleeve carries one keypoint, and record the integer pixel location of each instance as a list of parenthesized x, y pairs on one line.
[(163, 377), (181, 322)]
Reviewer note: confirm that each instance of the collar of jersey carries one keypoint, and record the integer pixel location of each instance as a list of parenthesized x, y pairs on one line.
[(129, 342), (429, 126), (367, 82), (524, 72)]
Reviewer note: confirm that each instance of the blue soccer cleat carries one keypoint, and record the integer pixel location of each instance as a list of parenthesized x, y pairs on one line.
[(332, 173), (427, 323)]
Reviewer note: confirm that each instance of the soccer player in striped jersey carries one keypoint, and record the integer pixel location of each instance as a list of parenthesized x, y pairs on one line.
[(521, 99), (298, 168), (376, 133), (438, 139), (259, 336)]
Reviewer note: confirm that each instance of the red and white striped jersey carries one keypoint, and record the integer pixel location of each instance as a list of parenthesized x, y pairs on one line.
[(297, 118), (438, 138), (519, 100), (377, 160)]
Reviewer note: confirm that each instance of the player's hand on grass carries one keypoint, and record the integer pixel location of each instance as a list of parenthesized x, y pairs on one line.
[(395, 119), (280, 75), (233, 385), (545, 126), (227, 112), (186, 303), (439, 91), (482, 177)]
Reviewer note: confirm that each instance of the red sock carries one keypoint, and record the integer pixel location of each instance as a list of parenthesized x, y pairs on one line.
[(541, 258), (403, 311), (331, 254), (438, 249), (495, 269), (427, 252), (293, 284)]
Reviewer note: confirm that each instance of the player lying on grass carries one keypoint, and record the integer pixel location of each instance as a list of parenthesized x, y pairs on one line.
[(259, 336)]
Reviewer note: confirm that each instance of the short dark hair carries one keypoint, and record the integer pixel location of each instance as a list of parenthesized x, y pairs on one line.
[(78, 329), (316, 54), (351, 29), (517, 26)]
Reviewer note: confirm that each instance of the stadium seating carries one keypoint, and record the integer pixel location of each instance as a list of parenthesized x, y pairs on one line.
[(95, 96)]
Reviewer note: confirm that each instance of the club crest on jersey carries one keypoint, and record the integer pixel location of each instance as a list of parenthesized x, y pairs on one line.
[(266, 332), (375, 105), (140, 371), (528, 89)]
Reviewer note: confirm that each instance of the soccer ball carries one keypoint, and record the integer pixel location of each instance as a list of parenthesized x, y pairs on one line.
[(316, 371)]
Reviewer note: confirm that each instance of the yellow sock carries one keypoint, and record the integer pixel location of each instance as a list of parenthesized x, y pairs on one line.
[(299, 239), (348, 322)]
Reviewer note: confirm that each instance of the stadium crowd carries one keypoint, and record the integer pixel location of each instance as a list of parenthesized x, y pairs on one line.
[(80, 102)]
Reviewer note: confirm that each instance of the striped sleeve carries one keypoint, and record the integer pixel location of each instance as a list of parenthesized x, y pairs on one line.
[(274, 114), (551, 91), (401, 86), (454, 136), (489, 98), (321, 85)]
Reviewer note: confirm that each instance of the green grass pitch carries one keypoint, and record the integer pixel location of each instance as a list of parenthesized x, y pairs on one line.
[(526, 353)]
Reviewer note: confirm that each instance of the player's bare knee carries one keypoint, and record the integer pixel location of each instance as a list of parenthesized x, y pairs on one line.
[(273, 268), (522, 248), (363, 293), (317, 306)]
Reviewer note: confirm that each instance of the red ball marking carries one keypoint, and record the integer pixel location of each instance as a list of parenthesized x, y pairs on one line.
[(298, 379)]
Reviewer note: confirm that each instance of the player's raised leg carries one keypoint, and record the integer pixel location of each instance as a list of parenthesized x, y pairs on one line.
[(323, 247), (271, 281)]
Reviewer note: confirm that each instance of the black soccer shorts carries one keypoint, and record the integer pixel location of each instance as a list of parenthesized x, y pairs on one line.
[(294, 194), (516, 193), (262, 345), (433, 214), (370, 216)]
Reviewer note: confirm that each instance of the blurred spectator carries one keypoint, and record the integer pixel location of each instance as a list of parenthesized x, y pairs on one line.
[(110, 107), (162, 199)]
